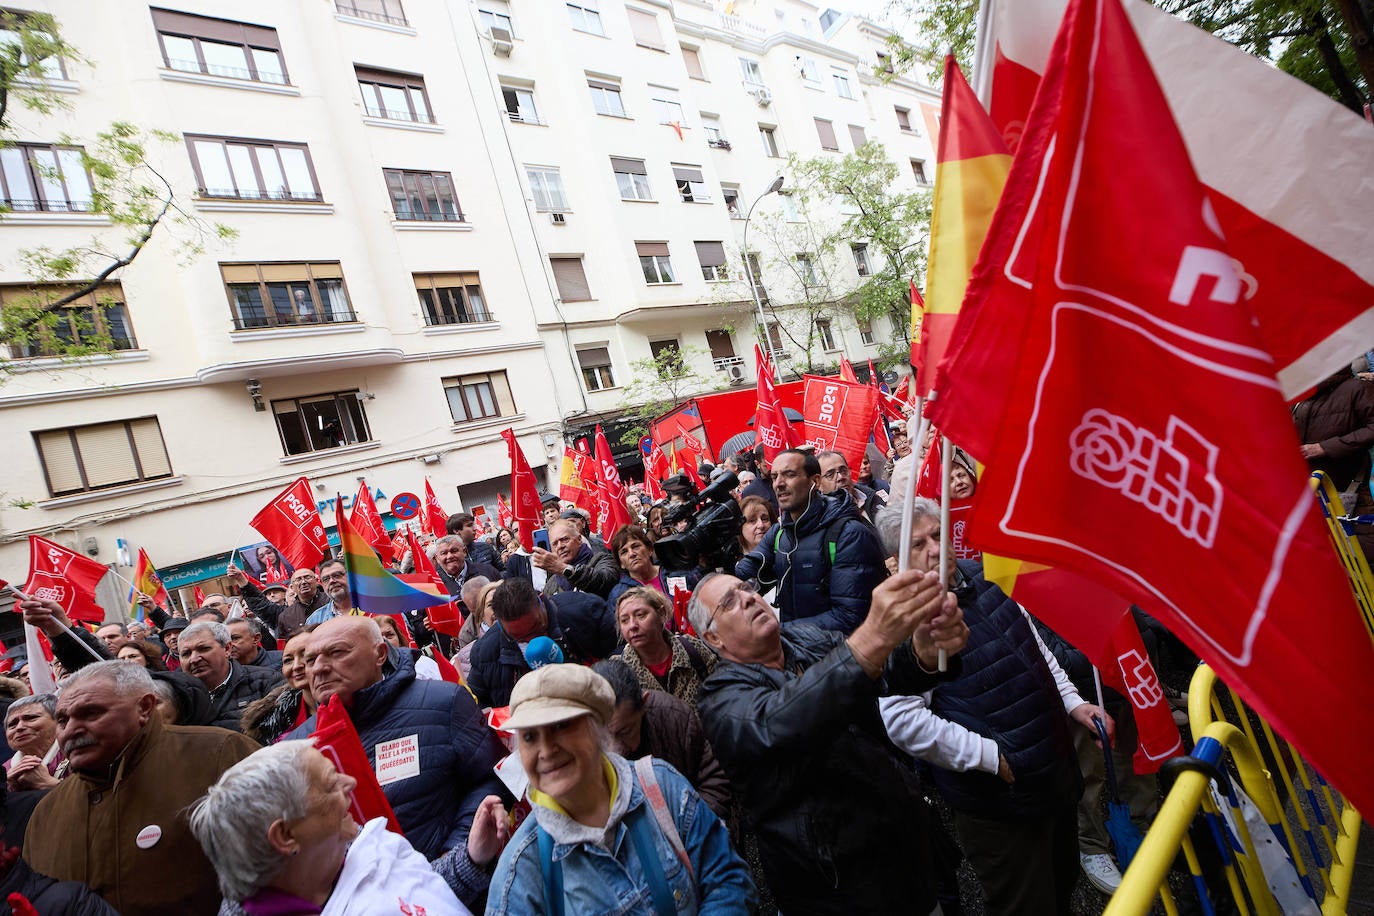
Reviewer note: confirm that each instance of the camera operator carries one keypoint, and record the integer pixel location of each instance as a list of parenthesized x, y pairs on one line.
[(705, 528), (823, 557)]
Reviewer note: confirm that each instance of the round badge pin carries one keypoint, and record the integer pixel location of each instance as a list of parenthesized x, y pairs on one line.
[(147, 837)]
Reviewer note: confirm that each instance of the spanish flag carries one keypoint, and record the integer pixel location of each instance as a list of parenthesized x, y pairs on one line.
[(971, 166), (146, 582)]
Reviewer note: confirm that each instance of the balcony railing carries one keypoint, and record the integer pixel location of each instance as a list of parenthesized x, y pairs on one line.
[(260, 321), (233, 73), (469, 316), (719, 143), (523, 117), (391, 114), (258, 194), (348, 9), (410, 213), (46, 206), (721, 363)]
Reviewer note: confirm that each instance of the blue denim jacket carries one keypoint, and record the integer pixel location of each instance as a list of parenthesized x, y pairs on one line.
[(610, 880)]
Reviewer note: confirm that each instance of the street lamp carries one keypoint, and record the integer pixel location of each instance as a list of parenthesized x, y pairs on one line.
[(773, 188)]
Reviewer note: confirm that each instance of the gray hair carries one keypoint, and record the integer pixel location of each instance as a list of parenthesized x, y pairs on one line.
[(127, 679), (448, 539), (218, 631), (123, 630), (470, 589), (47, 700), (889, 521), (232, 819), (698, 614)]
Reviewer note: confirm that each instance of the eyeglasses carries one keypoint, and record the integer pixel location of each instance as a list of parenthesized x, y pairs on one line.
[(834, 473), (734, 597), (329, 577)]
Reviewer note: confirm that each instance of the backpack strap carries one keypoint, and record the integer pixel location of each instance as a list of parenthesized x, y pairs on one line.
[(694, 657), (552, 872), (651, 868), (653, 794)]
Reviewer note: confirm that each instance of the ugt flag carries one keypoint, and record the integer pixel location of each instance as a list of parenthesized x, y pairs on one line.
[(65, 576), (291, 524), (1142, 439)]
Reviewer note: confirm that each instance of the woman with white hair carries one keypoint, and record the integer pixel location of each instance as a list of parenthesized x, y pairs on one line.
[(279, 829), (31, 729), (671, 852)]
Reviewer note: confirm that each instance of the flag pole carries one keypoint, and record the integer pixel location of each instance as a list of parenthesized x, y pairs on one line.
[(246, 529), (70, 632), (946, 536), (909, 497)]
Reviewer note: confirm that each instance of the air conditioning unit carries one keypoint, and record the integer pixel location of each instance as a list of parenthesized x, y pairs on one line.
[(558, 219), (763, 95), (501, 43), (735, 373)]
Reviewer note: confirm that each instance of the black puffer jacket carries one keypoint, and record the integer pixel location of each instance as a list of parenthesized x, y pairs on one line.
[(245, 685), (594, 571), (837, 809), (1340, 418), (50, 897), (830, 593), (191, 698)]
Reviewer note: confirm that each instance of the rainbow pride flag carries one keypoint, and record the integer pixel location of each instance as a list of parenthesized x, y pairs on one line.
[(372, 587)]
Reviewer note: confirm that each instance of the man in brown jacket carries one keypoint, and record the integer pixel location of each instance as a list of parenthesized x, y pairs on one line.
[(117, 824)]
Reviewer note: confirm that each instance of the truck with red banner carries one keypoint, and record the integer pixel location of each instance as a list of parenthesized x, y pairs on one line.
[(720, 424)]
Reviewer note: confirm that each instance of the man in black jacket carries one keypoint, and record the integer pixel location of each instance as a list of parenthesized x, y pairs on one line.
[(283, 619), (454, 566), (204, 651), (574, 565), (465, 526), (792, 715), (581, 625)]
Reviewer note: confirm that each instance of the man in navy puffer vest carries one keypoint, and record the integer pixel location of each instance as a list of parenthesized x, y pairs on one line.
[(999, 738)]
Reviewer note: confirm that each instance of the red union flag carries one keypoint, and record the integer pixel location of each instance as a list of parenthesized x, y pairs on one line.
[(839, 416), (434, 519), (614, 513), (367, 521), (292, 525), (61, 575), (524, 492), (1142, 439), (770, 423)]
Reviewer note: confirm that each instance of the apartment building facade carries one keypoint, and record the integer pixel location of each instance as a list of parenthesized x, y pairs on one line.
[(448, 218)]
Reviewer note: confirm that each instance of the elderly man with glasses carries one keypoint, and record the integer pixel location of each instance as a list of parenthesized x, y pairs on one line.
[(792, 714)]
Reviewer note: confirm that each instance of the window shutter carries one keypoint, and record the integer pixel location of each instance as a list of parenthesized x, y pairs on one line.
[(630, 166), (720, 344), (571, 279), (238, 33), (59, 458), (645, 28), (106, 454), (710, 254), (693, 61), (152, 453), (594, 357), (857, 135), (827, 134), (687, 173), (652, 249)]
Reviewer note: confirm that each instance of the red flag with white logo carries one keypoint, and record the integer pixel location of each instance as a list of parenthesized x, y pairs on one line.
[(1127, 669), (336, 738), (504, 517), (770, 422), (524, 492), (614, 514), (292, 525), (367, 521), (435, 519), (839, 416), (64, 576), (1177, 484)]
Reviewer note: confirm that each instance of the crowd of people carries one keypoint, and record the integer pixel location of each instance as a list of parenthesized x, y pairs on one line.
[(760, 735)]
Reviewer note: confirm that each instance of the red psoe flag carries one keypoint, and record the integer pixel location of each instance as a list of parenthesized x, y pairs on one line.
[(524, 492), (435, 518), (1186, 495), (770, 423), (65, 576), (1127, 669), (291, 524), (839, 416), (615, 514), (367, 521)]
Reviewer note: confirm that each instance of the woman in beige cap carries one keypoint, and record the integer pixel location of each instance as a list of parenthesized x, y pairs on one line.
[(606, 835)]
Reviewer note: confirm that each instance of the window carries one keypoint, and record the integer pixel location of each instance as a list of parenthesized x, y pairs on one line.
[(918, 169), (388, 11), (826, 130), (756, 276), (731, 196), (451, 299), (866, 332), (98, 319), (842, 87), (653, 260), (252, 169), (596, 368), (711, 256), (479, 397), (690, 184), (520, 104), (790, 211), (806, 269), (860, 253), (547, 186), (426, 196), (810, 73), (667, 108), (606, 98), (692, 58), (571, 279), (632, 178), (495, 14), (710, 125), (826, 334), (321, 421), (394, 96), (644, 27), (46, 178), (770, 141), (585, 17), (884, 63), (284, 295), (775, 350), (219, 47), (83, 458), (722, 347), (753, 74), (857, 136), (903, 119), (51, 68), (668, 355)]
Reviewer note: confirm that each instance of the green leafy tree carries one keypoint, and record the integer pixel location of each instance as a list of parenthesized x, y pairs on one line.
[(659, 383), (945, 27), (127, 189)]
